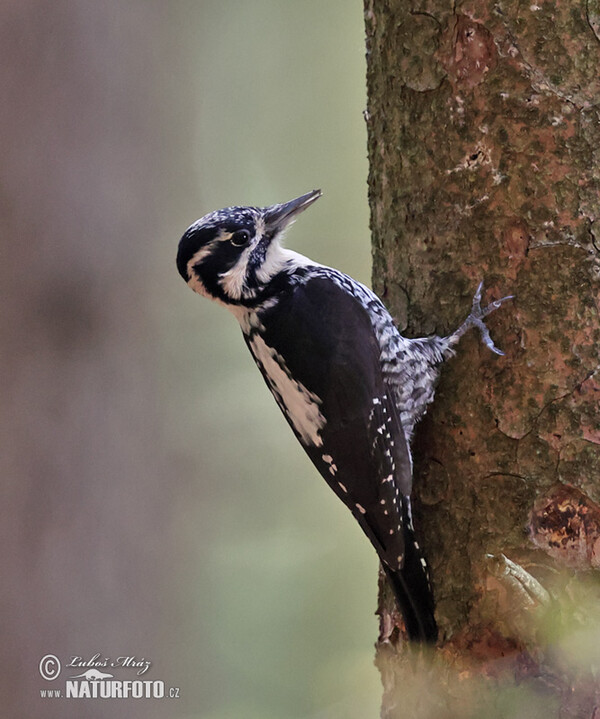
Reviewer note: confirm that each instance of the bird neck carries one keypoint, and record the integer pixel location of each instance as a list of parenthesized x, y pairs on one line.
[(277, 276)]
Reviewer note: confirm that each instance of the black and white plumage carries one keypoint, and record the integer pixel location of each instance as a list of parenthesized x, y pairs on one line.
[(350, 385)]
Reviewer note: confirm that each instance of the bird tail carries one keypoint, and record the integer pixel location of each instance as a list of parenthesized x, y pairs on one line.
[(411, 586)]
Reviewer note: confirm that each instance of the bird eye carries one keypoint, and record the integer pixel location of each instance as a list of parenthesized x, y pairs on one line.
[(240, 238)]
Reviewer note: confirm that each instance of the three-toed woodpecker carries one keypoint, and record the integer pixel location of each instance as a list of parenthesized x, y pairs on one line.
[(349, 384)]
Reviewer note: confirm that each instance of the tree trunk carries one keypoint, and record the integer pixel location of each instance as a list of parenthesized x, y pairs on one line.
[(484, 148), (85, 516)]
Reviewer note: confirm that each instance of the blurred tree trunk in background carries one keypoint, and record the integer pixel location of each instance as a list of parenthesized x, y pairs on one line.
[(85, 503), (484, 144)]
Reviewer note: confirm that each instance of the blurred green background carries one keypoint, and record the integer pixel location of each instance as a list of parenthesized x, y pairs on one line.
[(156, 502)]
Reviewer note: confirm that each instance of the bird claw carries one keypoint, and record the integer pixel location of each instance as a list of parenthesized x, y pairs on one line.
[(476, 317), (485, 337)]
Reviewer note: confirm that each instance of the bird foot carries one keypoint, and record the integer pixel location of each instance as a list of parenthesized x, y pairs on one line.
[(476, 317)]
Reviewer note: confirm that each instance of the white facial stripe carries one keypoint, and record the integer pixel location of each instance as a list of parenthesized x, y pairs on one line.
[(259, 226), (206, 251), (275, 260), (194, 281), (233, 280), (201, 254), (299, 404)]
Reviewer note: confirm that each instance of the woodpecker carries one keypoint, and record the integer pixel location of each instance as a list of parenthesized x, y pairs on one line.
[(349, 384)]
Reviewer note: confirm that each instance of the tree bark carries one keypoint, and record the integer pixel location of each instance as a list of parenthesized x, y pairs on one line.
[(484, 146)]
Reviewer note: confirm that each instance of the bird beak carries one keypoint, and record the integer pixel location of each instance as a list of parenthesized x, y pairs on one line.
[(277, 217)]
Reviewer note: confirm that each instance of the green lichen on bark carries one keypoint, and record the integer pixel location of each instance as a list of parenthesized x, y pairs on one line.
[(484, 144)]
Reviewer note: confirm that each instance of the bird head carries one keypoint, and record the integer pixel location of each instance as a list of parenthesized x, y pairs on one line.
[(232, 254)]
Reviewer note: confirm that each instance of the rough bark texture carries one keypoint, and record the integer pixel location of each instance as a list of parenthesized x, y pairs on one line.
[(484, 147)]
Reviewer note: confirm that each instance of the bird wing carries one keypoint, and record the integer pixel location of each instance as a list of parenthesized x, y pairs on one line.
[(320, 356)]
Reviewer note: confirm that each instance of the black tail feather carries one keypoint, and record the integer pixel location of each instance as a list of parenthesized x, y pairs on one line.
[(412, 588)]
